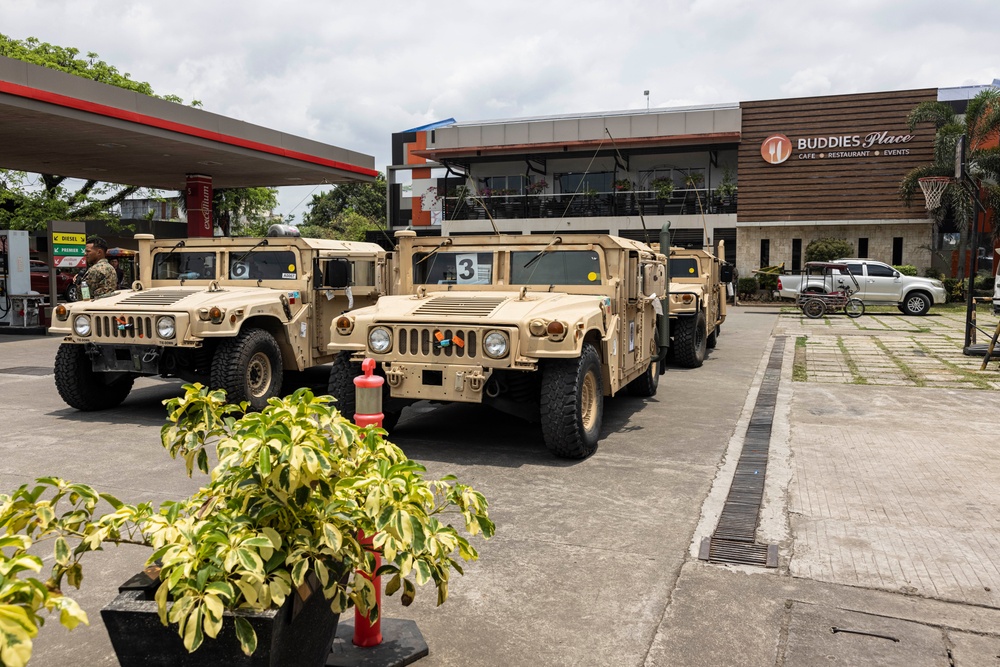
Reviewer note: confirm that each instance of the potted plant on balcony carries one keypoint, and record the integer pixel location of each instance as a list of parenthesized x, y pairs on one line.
[(725, 192), (274, 533), (663, 187)]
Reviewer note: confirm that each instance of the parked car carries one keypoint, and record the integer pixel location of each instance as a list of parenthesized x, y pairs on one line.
[(880, 284), (65, 285)]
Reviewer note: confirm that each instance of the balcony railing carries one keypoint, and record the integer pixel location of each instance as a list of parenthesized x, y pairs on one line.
[(646, 202)]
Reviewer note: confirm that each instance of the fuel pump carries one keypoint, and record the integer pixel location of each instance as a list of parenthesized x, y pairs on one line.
[(15, 271)]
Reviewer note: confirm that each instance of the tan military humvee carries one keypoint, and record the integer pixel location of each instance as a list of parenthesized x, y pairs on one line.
[(232, 313), (697, 302), (543, 327)]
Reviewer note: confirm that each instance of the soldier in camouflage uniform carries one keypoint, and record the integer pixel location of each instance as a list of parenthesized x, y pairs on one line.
[(101, 277)]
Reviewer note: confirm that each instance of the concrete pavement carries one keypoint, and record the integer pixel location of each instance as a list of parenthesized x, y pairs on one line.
[(881, 497)]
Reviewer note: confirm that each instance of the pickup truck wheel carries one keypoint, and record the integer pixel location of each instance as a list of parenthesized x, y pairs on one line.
[(572, 404), (81, 388), (645, 385), (916, 303), (248, 367), (341, 387), (691, 341)]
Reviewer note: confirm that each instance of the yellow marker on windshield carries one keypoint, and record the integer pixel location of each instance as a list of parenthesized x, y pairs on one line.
[(291, 268), (592, 276), (691, 270)]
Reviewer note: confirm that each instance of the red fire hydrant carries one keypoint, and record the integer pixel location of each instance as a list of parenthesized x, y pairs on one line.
[(368, 411)]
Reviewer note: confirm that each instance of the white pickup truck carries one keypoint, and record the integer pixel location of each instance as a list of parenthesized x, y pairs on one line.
[(880, 284)]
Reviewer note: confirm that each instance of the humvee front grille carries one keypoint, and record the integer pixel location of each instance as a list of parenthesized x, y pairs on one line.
[(123, 327), (422, 342)]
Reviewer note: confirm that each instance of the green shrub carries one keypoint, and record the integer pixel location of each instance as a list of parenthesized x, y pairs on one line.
[(828, 249), (767, 282), (955, 289), (746, 287), (906, 269), (984, 281), (936, 274)]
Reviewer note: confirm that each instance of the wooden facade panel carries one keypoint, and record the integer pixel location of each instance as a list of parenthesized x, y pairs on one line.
[(857, 179)]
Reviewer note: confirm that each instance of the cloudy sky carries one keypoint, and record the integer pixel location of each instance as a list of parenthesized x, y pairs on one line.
[(352, 73)]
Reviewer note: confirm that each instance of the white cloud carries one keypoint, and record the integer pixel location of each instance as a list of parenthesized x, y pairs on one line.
[(351, 74)]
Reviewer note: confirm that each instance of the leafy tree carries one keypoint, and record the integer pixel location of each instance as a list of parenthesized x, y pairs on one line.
[(828, 249), (981, 128), (365, 199), (349, 226), (28, 201)]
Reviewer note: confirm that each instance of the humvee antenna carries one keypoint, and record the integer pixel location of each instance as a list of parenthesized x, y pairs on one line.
[(642, 219)]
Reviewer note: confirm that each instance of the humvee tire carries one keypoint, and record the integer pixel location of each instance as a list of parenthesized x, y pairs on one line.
[(81, 388), (572, 404), (645, 385), (690, 341), (341, 387), (248, 367)]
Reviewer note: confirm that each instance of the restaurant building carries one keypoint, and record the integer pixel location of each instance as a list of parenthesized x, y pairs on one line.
[(767, 177)]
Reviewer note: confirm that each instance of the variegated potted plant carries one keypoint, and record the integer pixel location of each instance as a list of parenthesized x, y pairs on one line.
[(273, 534)]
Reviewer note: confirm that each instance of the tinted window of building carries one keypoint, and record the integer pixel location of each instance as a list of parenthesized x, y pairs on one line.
[(796, 254), (897, 250), (765, 252), (863, 248)]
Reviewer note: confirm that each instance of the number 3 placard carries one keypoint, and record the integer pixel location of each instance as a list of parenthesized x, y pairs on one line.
[(467, 267)]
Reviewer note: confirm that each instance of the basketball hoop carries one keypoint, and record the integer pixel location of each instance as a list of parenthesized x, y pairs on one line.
[(933, 187)]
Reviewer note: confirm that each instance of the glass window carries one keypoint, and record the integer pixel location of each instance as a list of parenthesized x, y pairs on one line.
[(504, 185), (556, 267), (856, 268), (596, 182), (263, 265), (184, 266), (880, 270), (686, 267), (453, 268)]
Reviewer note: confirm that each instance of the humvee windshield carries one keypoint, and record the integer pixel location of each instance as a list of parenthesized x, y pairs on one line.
[(555, 267), (453, 268), (263, 265), (685, 267), (184, 266)]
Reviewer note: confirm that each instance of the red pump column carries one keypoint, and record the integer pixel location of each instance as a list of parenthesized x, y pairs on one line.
[(198, 202)]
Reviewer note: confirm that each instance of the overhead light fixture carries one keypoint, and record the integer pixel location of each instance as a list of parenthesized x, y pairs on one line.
[(112, 144), (209, 163), (292, 178)]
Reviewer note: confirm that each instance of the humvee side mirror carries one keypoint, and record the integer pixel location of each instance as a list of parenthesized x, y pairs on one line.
[(337, 273), (726, 273), (653, 279)]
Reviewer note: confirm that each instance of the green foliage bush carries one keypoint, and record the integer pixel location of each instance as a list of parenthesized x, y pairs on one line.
[(955, 289), (984, 281), (906, 269), (767, 283), (936, 274), (828, 249), (746, 287)]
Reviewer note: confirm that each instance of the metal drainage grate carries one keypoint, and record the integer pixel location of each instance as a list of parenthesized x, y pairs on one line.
[(27, 370), (733, 539)]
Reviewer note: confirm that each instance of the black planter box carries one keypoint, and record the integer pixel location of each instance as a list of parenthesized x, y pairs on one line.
[(299, 633)]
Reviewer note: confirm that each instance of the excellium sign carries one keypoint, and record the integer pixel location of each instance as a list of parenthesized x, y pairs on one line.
[(777, 148)]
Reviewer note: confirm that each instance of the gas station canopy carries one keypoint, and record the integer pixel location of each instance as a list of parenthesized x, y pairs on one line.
[(56, 123)]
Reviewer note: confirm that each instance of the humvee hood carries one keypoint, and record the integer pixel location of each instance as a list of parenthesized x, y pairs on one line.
[(165, 299), (473, 307)]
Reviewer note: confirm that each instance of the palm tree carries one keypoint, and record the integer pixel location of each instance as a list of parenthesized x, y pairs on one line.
[(981, 128)]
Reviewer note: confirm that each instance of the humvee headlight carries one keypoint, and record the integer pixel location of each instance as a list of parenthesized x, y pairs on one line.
[(495, 344), (380, 340), (344, 325), (687, 298), (216, 314), (166, 327), (536, 327), (62, 312), (81, 325)]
